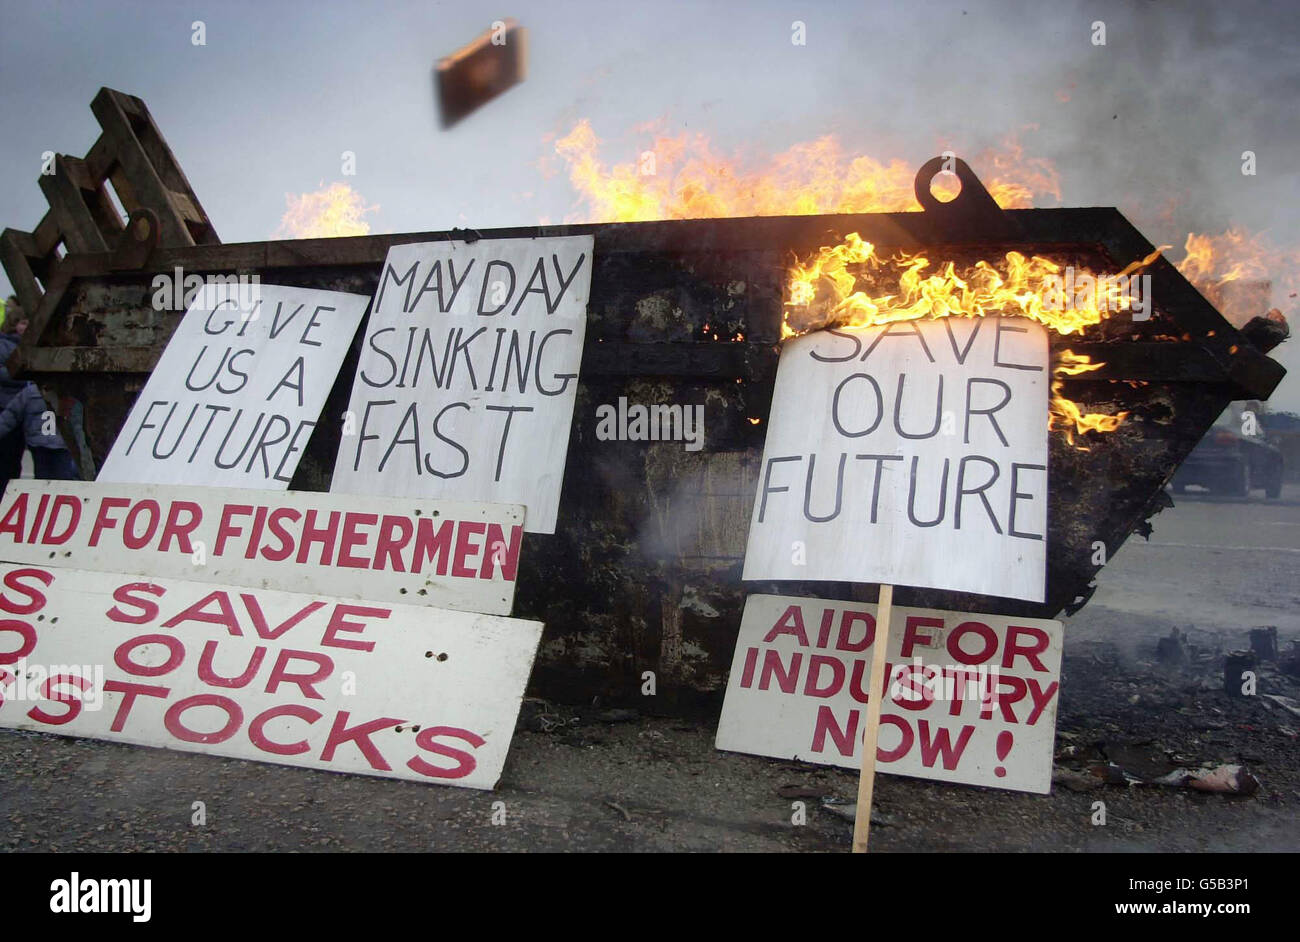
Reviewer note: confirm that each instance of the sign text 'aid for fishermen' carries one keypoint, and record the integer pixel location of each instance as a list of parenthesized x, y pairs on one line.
[(448, 554)]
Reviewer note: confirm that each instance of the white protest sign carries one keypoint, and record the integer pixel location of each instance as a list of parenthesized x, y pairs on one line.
[(237, 392), (450, 554), (469, 373), (970, 698), (909, 454), (308, 680)]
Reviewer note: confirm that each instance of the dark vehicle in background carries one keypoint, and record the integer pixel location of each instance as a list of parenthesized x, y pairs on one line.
[(1231, 463)]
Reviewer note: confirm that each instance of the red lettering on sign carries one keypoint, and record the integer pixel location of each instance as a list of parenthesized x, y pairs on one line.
[(36, 598), (123, 596), (209, 676), (496, 547), (257, 729), (325, 536), (25, 647), (339, 622), (987, 634), (847, 621), (73, 703), (129, 693), (255, 540), (904, 742), (132, 540), (389, 546), (285, 549), (340, 733), (15, 518), (259, 619), (432, 546), (1018, 691), (175, 649), (1038, 643), (787, 679), (1041, 696), (102, 520), (224, 616), (234, 718), (280, 673), (351, 539), (826, 724), (226, 528), (62, 502), (939, 745), (426, 740), (466, 550), (790, 623), (176, 529), (812, 687), (912, 638)]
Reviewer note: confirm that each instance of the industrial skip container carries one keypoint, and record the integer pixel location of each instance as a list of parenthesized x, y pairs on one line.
[(643, 571)]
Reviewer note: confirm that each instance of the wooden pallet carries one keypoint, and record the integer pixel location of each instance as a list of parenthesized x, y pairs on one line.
[(133, 158)]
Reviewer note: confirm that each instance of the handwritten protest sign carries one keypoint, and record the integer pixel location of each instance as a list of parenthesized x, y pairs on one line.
[(468, 374), (450, 554), (238, 390), (913, 453), (969, 698), (309, 680)]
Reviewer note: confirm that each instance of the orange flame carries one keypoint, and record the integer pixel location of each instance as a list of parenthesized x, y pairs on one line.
[(334, 210), (1065, 414), (683, 178), (824, 292), (1235, 271)]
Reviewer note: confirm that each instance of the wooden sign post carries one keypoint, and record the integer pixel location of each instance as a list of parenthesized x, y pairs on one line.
[(871, 736), (909, 453)]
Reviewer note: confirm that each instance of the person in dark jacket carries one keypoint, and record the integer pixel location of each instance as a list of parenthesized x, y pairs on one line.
[(15, 323), (27, 411), (11, 445)]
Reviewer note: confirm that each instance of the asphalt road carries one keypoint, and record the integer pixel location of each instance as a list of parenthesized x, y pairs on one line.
[(1214, 565), (578, 781)]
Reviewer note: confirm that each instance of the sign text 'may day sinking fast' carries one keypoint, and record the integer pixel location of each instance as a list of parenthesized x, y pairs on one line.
[(468, 374)]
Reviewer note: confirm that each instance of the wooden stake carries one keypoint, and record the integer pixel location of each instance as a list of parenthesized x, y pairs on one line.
[(871, 735)]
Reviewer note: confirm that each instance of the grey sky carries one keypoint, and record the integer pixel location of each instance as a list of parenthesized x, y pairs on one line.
[(283, 88)]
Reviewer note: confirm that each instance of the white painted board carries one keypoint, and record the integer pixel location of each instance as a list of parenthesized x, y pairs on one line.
[(970, 698), (314, 681), (909, 454), (238, 390), (449, 554), (469, 373)]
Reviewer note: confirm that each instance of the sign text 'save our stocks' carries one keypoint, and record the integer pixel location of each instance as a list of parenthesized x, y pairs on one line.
[(913, 453), (468, 374), (310, 680)]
